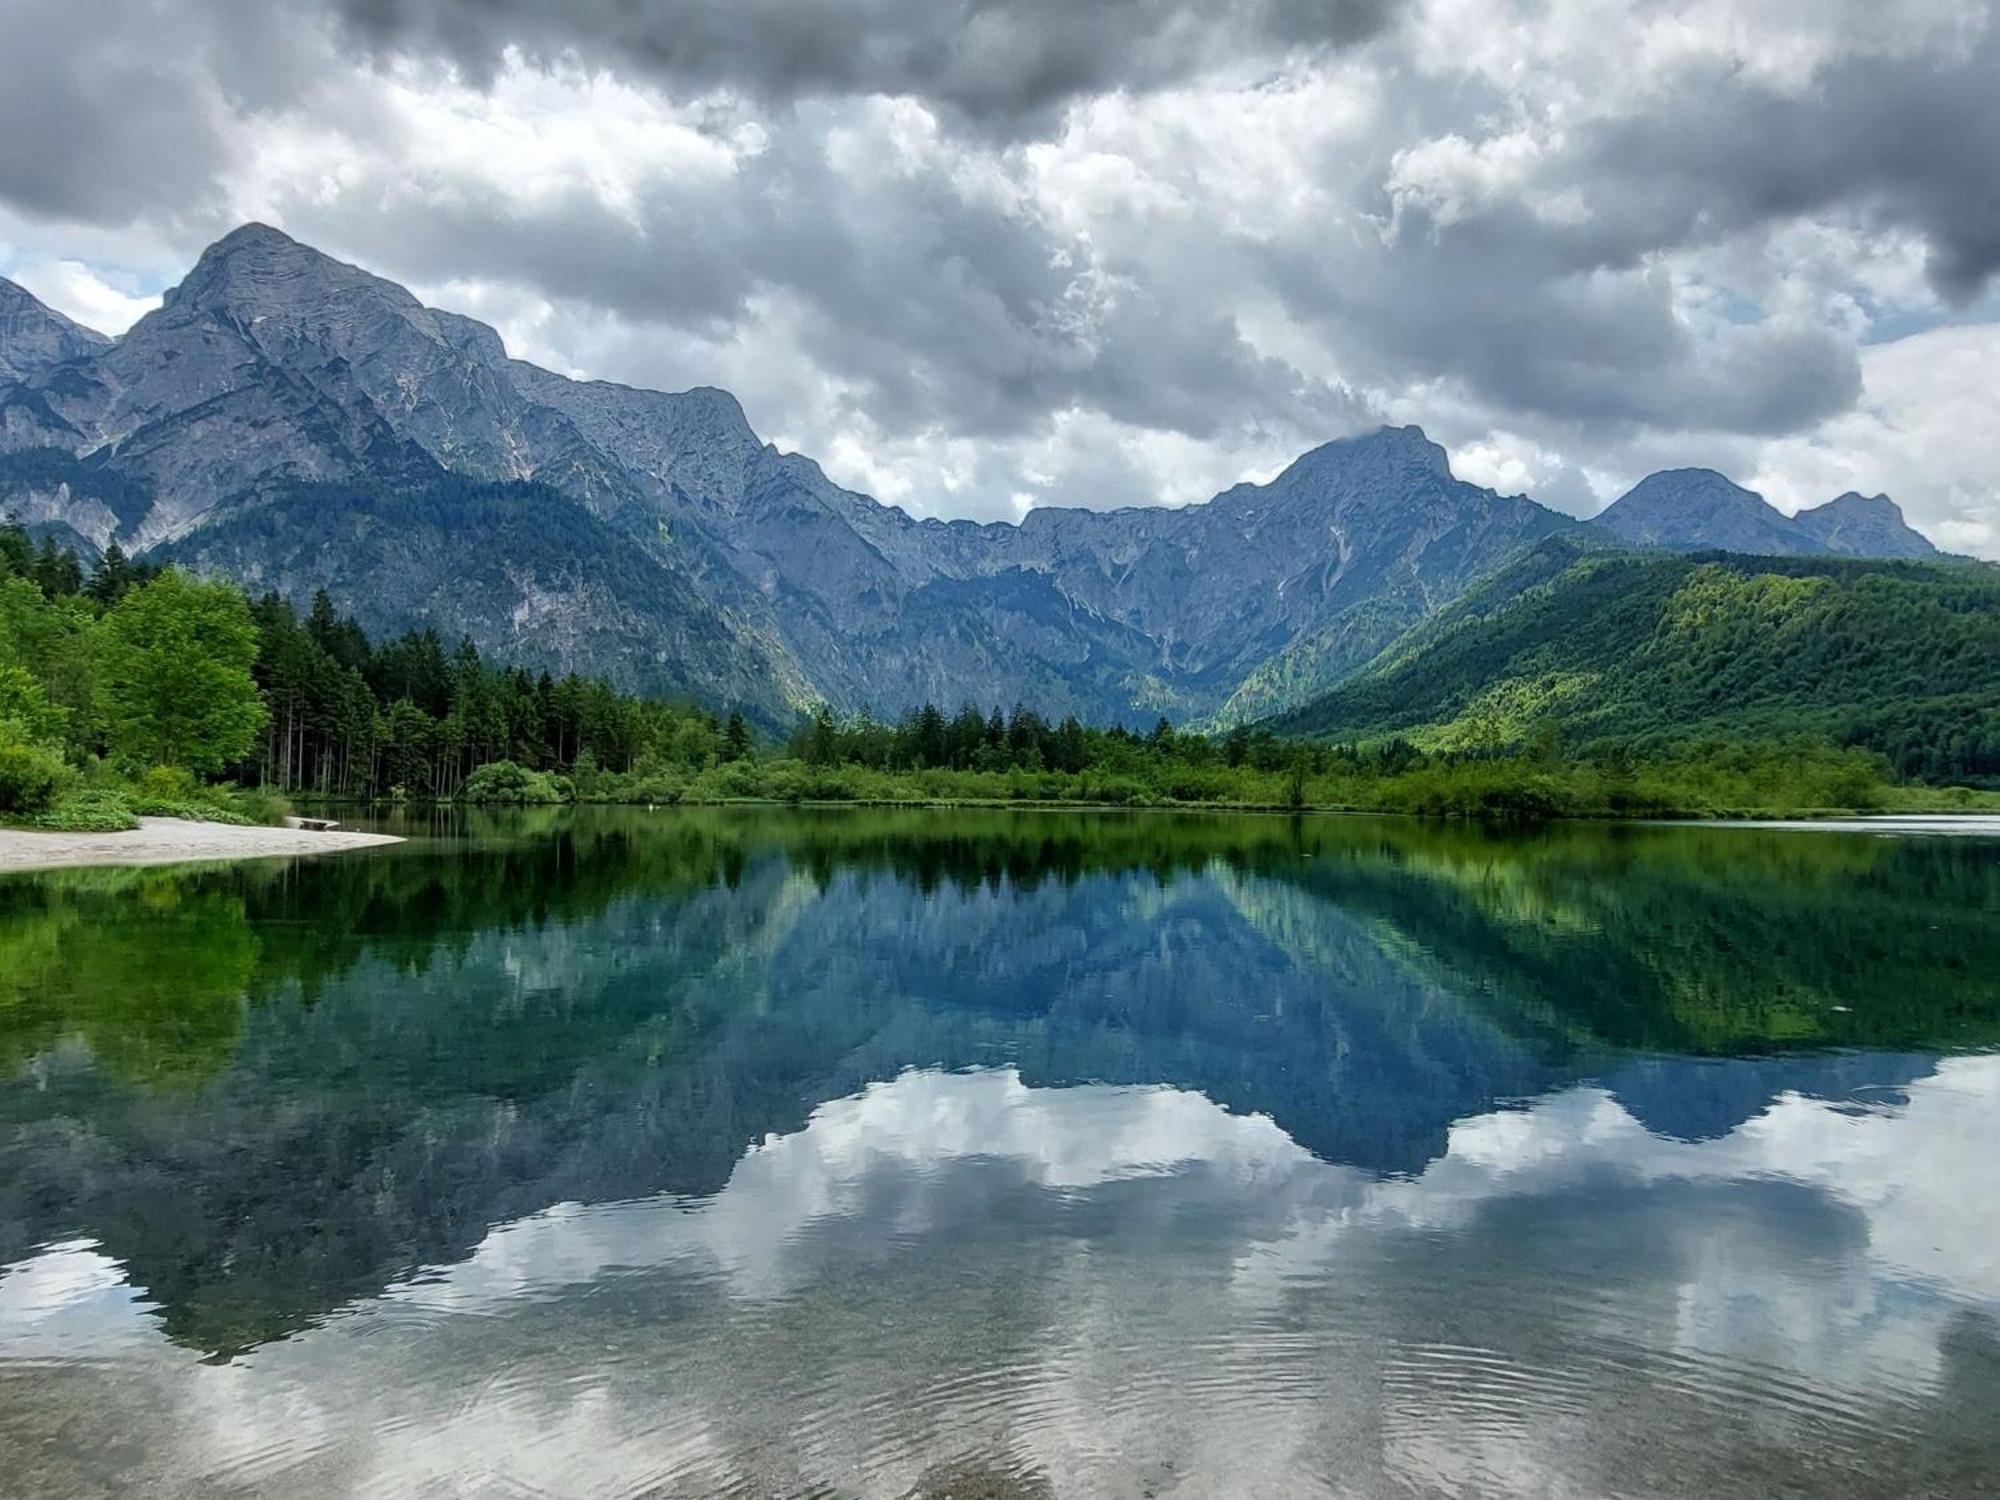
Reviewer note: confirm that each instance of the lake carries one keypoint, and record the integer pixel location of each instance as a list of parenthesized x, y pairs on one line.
[(773, 1152)]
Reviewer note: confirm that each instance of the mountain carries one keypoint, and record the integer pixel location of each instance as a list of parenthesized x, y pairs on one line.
[(1698, 510), (35, 339), (1903, 657), (1864, 526), (274, 377), (283, 416)]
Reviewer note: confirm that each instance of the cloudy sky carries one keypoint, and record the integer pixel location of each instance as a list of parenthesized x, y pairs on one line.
[(977, 255)]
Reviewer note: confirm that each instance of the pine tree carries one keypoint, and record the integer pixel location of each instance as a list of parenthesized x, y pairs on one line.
[(113, 576), (736, 739)]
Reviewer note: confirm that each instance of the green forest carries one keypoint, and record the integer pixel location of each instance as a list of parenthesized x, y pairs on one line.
[(1656, 652), (128, 690)]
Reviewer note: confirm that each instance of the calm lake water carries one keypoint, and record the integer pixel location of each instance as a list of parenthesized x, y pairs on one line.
[(757, 1152)]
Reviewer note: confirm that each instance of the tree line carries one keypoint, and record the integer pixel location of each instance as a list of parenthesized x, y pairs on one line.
[(147, 689), (147, 668)]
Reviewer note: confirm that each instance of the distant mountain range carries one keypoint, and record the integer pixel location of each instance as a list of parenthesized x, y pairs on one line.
[(299, 423), (1697, 510)]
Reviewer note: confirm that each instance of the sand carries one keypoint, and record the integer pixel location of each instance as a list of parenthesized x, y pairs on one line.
[(168, 841)]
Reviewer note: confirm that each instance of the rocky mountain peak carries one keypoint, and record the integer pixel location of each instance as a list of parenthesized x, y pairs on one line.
[(1386, 448), (1698, 509), (1387, 463), (1684, 487), (1864, 526), (1854, 500), (256, 272), (1701, 510), (34, 337)]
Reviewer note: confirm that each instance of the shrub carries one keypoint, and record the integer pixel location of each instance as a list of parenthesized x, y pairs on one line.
[(168, 784), (93, 810), (31, 776), (505, 781), (1124, 791), (736, 778)]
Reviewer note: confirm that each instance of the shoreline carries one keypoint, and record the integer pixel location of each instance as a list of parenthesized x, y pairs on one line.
[(1732, 816), (171, 841), (1957, 823)]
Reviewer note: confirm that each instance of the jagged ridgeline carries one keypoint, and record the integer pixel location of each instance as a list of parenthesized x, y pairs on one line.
[(1653, 651), (298, 423)]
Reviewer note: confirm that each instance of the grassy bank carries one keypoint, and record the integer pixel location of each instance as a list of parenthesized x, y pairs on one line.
[(107, 803), (1801, 780)]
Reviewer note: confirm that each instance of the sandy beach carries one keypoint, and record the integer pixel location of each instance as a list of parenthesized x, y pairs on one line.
[(167, 841)]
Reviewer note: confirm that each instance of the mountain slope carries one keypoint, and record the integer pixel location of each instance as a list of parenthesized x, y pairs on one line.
[(273, 369), (274, 372), (34, 339), (1863, 526), (1900, 656), (1698, 510), (514, 566)]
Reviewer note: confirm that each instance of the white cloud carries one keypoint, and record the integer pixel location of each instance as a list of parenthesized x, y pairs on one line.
[(77, 291), (1924, 431), (1126, 294)]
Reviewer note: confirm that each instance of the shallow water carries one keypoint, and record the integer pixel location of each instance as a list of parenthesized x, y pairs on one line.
[(880, 1154)]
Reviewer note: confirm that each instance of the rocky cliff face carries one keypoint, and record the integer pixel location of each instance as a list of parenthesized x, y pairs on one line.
[(35, 339), (297, 422)]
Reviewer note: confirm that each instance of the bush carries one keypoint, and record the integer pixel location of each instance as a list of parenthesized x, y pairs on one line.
[(1120, 791), (503, 781), (31, 776), (736, 778), (168, 784), (91, 811)]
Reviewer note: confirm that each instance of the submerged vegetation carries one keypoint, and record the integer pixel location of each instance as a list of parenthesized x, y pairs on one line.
[(134, 691)]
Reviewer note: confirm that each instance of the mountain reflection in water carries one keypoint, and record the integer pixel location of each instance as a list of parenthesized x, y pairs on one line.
[(884, 1153)]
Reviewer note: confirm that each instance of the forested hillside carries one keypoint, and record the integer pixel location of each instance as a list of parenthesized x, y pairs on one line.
[(538, 581), (1651, 652)]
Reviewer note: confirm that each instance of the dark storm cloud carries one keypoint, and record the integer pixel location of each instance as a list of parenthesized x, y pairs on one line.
[(95, 125), (1570, 315), (1888, 143), (998, 62), (1905, 142), (1503, 309)]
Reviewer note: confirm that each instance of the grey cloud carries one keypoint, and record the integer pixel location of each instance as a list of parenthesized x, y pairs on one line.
[(99, 126), (1904, 142), (911, 307), (998, 62), (946, 313), (1500, 310), (1907, 142)]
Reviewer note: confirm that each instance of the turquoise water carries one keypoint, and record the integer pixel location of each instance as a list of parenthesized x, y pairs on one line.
[(882, 1153)]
